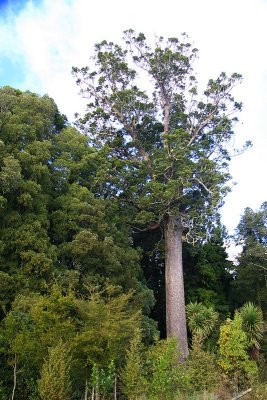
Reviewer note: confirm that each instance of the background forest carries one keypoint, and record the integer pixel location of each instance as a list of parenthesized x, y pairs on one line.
[(83, 235)]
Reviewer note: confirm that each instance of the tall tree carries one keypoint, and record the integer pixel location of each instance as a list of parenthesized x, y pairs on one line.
[(27, 124), (251, 271), (164, 153), (208, 274)]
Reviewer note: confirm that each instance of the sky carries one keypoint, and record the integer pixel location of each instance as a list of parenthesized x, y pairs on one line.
[(40, 40)]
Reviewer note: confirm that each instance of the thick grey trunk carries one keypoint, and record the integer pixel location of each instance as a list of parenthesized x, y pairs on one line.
[(174, 281)]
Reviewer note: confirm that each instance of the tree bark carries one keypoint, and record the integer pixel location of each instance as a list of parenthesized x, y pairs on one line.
[(14, 378), (174, 281), (115, 388), (86, 391)]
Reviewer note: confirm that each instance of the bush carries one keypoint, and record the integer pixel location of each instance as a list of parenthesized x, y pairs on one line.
[(233, 354), (103, 382), (132, 375), (54, 383), (203, 371), (165, 376), (259, 392)]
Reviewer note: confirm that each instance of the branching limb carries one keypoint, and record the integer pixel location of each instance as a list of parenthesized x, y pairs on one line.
[(203, 185), (242, 394)]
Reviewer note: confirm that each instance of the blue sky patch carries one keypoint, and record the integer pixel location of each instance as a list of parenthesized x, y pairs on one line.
[(14, 6), (13, 65), (12, 73), (3, 3)]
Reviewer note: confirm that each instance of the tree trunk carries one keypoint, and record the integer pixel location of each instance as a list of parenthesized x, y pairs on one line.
[(86, 391), (174, 281), (14, 378), (115, 388)]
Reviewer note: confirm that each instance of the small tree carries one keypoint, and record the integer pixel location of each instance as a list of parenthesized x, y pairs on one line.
[(165, 375), (103, 382), (133, 372), (203, 373), (233, 355), (201, 321), (253, 326), (54, 383)]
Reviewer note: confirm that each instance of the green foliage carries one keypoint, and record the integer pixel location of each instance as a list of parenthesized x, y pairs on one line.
[(54, 383), (96, 326), (250, 282), (259, 392), (103, 381), (109, 321), (3, 392), (252, 323), (53, 220), (34, 324), (132, 375), (233, 356), (208, 274), (165, 375), (68, 268), (201, 321), (203, 372), (27, 125)]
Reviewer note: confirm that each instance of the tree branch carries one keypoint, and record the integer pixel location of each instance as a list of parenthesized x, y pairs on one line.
[(203, 185), (242, 394)]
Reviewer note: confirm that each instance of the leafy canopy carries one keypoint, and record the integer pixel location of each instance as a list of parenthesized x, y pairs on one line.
[(164, 147)]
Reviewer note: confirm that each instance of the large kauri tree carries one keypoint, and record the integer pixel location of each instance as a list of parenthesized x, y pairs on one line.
[(164, 148)]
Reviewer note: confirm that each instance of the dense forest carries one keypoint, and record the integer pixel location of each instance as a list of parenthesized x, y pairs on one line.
[(114, 277)]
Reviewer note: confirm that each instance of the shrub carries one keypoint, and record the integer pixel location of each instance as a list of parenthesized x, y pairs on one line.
[(54, 383), (103, 382), (165, 375), (233, 355), (132, 375), (253, 326), (203, 371)]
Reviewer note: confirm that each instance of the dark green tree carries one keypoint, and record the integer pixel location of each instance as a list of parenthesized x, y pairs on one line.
[(164, 150), (28, 123), (92, 238), (208, 274), (251, 271), (53, 226)]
